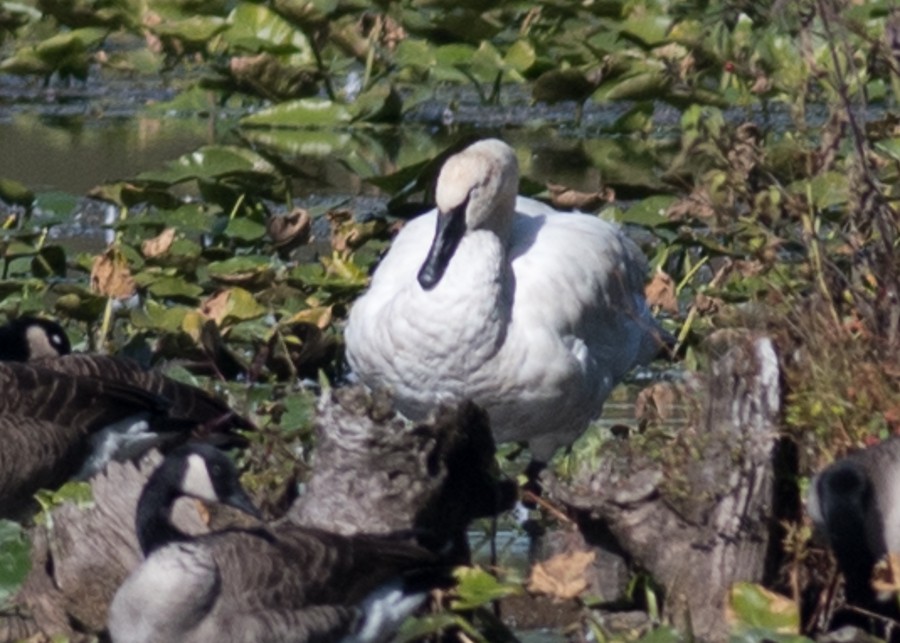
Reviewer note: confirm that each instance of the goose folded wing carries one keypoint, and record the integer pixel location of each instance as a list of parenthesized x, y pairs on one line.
[(187, 403)]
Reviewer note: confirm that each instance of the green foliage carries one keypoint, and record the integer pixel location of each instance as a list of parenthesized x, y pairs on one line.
[(476, 587), (759, 615), (15, 562)]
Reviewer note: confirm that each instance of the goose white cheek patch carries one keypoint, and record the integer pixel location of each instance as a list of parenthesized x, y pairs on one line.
[(196, 481), (39, 344)]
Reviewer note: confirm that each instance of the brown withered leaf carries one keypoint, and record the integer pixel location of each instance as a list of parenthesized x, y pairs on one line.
[(761, 84), (566, 198), (660, 292), (707, 305), (110, 275), (562, 576), (217, 306), (158, 245), (656, 403), (348, 234), (290, 230), (696, 205), (266, 74)]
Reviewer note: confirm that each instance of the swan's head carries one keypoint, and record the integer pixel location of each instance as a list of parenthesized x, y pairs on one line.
[(476, 190)]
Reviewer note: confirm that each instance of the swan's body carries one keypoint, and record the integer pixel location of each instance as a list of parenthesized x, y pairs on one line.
[(533, 314)]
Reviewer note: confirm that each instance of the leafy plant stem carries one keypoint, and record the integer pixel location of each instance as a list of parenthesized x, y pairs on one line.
[(690, 274), (320, 65), (810, 225), (237, 207), (42, 239), (370, 53)]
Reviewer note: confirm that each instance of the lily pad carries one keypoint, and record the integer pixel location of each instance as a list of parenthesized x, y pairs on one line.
[(305, 112), (212, 162)]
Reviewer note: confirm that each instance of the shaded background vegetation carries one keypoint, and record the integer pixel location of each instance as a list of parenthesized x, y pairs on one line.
[(751, 147)]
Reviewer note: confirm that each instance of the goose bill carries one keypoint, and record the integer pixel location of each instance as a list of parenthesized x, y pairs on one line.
[(451, 226), (241, 501)]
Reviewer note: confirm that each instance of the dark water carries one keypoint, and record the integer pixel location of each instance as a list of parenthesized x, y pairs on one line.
[(75, 154)]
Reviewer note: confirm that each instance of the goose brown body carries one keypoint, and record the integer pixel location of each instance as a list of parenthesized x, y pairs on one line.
[(270, 584), (52, 412)]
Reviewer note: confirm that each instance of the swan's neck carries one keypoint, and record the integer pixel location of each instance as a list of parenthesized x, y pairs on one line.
[(154, 518), (475, 294)]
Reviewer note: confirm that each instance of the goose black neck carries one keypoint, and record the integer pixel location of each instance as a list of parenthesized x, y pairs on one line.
[(154, 512), (13, 346)]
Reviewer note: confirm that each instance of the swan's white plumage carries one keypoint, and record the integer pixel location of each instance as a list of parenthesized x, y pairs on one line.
[(537, 316)]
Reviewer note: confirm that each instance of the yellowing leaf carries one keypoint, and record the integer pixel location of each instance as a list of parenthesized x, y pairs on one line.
[(230, 305), (752, 605), (320, 316), (562, 576)]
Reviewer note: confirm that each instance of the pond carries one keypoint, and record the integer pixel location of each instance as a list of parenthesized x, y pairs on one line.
[(753, 153)]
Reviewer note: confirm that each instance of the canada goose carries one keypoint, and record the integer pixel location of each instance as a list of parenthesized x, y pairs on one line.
[(531, 313), (68, 415), (854, 503), (29, 338), (279, 584)]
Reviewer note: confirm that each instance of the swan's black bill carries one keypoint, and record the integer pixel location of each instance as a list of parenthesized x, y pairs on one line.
[(451, 226)]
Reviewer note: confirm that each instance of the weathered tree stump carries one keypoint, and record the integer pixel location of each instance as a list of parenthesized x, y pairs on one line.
[(376, 472), (697, 514)]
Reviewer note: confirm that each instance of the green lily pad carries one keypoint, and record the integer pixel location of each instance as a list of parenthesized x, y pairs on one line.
[(305, 112), (195, 31), (649, 212), (159, 317), (255, 27), (245, 229), (211, 162), (15, 193), (174, 287)]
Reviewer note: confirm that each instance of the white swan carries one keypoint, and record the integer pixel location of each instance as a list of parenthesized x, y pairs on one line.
[(533, 314)]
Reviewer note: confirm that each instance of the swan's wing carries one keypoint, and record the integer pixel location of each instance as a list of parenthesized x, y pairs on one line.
[(582, 278)]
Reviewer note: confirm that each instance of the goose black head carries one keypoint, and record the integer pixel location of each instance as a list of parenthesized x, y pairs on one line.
[(28, 338), (845, 504), (194, 470)]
